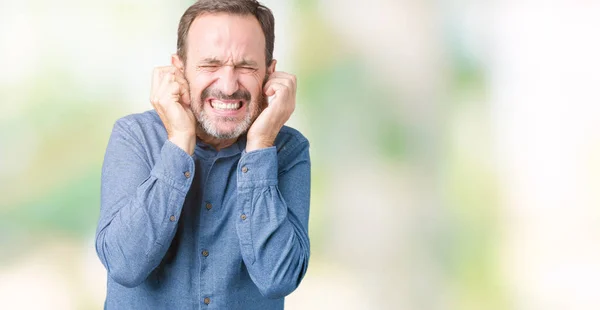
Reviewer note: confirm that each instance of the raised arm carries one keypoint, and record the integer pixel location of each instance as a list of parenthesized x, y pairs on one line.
[(143, 194), (273, 217), (140, 205)]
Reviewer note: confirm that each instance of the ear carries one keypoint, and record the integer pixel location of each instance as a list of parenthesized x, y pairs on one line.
[(271, 67), (177, 63)]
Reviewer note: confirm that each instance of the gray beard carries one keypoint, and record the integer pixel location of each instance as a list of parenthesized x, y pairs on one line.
[(210, 127)]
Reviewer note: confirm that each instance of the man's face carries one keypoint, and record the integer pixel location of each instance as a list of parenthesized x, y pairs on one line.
[(225, 68)]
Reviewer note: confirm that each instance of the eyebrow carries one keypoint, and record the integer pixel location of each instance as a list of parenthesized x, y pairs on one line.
[(247, 63), (215, 61), (212, 61)]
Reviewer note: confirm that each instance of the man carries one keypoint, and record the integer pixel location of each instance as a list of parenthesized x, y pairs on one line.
[(205, 199)]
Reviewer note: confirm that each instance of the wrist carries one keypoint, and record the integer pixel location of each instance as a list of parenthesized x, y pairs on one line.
[(186, 142), (253, 145)]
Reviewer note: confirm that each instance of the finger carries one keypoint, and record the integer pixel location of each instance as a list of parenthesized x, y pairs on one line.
[(275, 87), (281, 74), (285, 76), (156, 83), (158, 74), (184, 89), (163, 89), (167, 94), (173, 87), (268, 89), (282, 92), (174, 90), (283, 83), (178, 72), (161, 72)]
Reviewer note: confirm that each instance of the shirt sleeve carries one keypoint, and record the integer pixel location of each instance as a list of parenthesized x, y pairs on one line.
[(273, 214), (141, 202)]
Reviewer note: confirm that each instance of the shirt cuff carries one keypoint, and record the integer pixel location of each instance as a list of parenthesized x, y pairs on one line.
[(258, 168), (175, 167)]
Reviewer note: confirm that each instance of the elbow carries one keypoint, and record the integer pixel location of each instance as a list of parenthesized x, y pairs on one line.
[(121, 269), (284, 282), (279, 287), (127, 277), (277, 290), (126, 274)]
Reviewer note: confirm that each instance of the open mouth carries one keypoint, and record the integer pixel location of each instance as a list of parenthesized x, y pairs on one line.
[(226, 105)]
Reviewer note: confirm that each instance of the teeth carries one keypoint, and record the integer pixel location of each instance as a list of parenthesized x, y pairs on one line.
[(225, 106)]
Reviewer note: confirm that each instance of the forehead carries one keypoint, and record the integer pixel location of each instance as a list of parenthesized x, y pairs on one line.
[(224, 36)]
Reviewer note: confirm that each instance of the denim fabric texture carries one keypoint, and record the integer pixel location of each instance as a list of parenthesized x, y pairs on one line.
[(217, 230)]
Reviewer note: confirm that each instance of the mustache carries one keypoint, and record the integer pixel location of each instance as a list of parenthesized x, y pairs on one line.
[(240, 94)]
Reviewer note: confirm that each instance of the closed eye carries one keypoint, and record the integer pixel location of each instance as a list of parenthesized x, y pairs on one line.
[(209, 68), (246, 69)]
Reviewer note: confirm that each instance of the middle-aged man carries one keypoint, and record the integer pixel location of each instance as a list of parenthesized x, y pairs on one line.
[(205, 199)]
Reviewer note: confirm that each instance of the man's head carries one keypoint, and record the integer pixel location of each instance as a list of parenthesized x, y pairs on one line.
[(225, 48)]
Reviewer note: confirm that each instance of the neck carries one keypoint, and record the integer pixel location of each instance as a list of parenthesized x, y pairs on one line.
[(218, 144)]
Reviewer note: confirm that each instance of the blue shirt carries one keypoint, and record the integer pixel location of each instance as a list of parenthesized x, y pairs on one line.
[(217, 230)]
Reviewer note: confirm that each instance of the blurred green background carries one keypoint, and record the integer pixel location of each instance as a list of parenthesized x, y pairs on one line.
[(455, 147)]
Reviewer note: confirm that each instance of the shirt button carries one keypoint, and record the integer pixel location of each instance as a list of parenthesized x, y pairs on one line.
[(243, 217), (172, 218), (208, 206), (187, 174), (207, 300), (244, 169), (205, 253)]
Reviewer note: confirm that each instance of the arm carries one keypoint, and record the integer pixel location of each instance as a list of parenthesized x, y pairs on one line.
[(140, 205), (273, 220)]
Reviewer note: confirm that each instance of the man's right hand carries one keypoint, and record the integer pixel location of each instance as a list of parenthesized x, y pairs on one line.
[(170, 97)]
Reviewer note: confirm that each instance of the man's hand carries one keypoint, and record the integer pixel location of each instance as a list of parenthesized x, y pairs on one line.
[(264, 130), (170, 97)]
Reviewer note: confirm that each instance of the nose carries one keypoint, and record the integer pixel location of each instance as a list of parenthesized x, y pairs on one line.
[(228, 80)]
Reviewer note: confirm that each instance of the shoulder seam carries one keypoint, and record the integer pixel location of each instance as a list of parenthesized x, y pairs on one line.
[(297, 143)]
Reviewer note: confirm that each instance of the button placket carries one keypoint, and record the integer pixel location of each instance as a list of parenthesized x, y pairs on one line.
[(207, 221)]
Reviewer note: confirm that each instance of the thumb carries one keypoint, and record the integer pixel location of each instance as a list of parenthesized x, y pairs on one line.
[(270, 91)]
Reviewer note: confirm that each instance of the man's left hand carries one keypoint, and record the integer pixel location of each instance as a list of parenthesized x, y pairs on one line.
[(264, 130)]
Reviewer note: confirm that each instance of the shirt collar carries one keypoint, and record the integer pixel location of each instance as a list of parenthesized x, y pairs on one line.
[(206, 151)]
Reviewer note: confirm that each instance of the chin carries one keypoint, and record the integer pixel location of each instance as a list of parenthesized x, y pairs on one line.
[(230, 132), (223, 127), (225, 130)]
